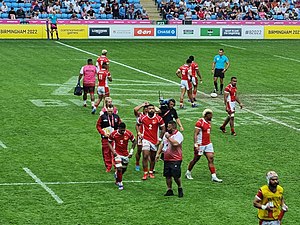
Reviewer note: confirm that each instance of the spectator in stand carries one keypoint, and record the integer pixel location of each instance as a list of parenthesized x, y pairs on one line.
[(74, 16), (293, 14), (12, 14), (70, 9), (130, 11), (115, 10), (4, 8), (262, 14), (145, 15), (66, 3), (219, 14), (77, 8), (43, 8), (56, 8), (20, 13), (107, 9), (188, 14), (138, 14), (247, 16), (92, 13), (84, 15), (87, 6), (35, 15), (200, 14), (122, 11), (102, 8)]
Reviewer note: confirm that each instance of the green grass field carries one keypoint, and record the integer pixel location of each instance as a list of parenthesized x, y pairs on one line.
[(45, 129)]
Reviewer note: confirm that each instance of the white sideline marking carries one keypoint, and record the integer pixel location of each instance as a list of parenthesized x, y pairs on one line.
[(170, 81), (150, 83), (38, 181), (2, 145), (231, 46), (282, 57), (273, 95), (71, 182)]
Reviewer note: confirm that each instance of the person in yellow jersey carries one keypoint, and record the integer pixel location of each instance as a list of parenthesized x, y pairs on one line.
[(269, 201)]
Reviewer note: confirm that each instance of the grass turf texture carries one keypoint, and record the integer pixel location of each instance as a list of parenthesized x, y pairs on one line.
[(60, 143)]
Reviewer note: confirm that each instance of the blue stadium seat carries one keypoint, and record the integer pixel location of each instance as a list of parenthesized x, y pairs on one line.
[(63, 10), (136, 1), (58, 16), (69, 16), (64, 16), (8, 4), (181, 16), (98, 5), (130, 1), (213, 17), (103, 16), (21, 5), (94, 5), (194, 17), (13, 0), (78, 15), (44, 16), (109, 16), (275, 17), (4, 15), (280, 17), (28, 5), (15, 5)]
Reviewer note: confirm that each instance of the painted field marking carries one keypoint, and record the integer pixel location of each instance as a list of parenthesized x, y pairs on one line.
[(2, 145), (170, 81), (287, 58), (69, 183), (232, 46), (38, 181)]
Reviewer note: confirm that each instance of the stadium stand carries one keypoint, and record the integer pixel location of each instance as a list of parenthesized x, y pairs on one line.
[(168, 9), (91, 9)]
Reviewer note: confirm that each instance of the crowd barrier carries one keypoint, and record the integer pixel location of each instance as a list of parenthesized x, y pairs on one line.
[(119, 29)]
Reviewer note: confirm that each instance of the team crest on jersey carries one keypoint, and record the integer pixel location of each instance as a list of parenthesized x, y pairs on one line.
[(126, 138), (154, 121)]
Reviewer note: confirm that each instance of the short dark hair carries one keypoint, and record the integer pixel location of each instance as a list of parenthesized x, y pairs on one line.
[(221, 49), (192, 57), (189, 61), (172, 100), (145, 106), (150, 105), (233, 78), (122, 125), (90, 61), (173, 123)]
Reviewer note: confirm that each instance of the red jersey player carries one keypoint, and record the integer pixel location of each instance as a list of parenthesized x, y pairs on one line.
[(138, 129), (183, 73), (195, 72), (120, 152), (203, 145), (103, 78), (150, 125), (230, 97), (102, 59)]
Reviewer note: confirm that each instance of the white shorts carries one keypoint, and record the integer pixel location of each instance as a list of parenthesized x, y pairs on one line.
[(139, 140), (273, 222), (121, 161), (195, 81), (230, 108), (186, 84), (148, 146), (204, 149), (102, 90)]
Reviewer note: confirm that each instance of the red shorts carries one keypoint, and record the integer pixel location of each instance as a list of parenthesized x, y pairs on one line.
[(88, 88)]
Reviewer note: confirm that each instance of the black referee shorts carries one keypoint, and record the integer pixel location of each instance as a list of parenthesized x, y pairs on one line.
[(219, 73), (172, 169)]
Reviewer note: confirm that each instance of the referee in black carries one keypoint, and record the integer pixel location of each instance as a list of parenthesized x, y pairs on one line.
[(219, 67)]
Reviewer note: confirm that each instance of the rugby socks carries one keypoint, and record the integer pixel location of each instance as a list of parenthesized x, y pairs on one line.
[(232, 130), (212, 171), (194, 93), (216, 85), (93, 104), (119, 176), (221, 87), (84, 102)]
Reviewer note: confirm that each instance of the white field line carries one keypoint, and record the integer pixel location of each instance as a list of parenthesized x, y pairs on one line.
[(2, 145), (69, 183), (170, 81), (232, 46), (38, 181), (273, 95), (150, 83), (287, 58)]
